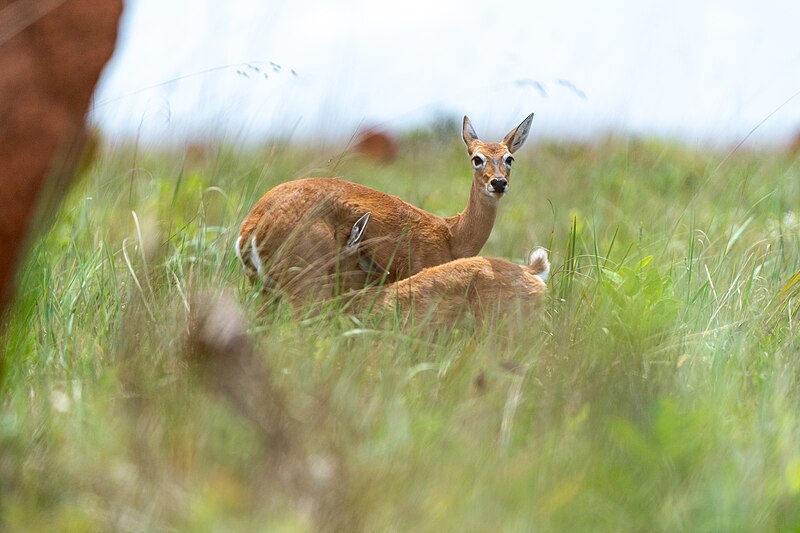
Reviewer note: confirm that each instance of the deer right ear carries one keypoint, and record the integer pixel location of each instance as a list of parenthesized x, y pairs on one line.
[(357, 233), (468, 132)]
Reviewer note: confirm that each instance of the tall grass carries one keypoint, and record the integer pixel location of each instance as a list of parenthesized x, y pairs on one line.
[(659, 390)]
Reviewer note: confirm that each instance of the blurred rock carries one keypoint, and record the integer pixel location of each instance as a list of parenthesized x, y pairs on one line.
[(51, 56)]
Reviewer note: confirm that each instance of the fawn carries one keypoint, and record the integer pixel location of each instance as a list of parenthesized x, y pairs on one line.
[(478, 286)]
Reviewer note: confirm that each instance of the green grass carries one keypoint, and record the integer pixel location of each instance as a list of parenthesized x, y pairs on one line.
[(659, 391)]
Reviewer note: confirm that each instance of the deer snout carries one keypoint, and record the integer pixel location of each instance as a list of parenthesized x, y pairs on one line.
[(499, 185)]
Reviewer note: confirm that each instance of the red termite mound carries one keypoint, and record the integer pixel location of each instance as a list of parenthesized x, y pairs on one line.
[(377, 145), (51, 56)]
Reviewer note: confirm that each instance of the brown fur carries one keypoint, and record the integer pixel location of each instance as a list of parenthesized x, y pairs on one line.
[(300, 226), (51, 55)]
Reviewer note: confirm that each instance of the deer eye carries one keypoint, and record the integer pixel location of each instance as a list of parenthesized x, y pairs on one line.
[(509, 160), (477, 162)]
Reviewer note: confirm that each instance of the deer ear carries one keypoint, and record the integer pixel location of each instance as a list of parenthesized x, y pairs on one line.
[(357, 233), (516, 137), (468, 132)]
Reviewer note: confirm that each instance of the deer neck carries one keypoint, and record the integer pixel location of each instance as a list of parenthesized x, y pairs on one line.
[(471, 228)]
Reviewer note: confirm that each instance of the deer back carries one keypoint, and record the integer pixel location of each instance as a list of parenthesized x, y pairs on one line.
[(400, 238)]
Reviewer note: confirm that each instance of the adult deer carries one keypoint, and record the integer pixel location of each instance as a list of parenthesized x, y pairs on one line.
[(293, 235), (477, 286)]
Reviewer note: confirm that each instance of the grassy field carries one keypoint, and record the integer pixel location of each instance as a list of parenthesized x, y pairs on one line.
[(659, 391)]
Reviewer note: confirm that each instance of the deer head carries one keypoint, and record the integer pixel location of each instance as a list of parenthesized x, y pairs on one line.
[(491, 162)]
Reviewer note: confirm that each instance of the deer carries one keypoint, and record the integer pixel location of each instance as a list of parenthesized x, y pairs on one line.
[(293, 236), (476, 286)]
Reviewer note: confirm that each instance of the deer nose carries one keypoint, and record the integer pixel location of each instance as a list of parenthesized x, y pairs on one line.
[(499, 184)]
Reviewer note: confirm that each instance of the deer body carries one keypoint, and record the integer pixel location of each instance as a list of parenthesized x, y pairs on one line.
[(477, 286), (294, 234)]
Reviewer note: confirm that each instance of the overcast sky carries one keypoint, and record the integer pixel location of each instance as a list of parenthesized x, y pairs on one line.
[(700, 71)]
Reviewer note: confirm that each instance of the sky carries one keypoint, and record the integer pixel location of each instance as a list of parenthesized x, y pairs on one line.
[(701, 72)]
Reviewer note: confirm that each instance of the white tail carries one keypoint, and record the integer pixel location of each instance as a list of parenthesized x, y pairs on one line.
[(539, 263), (474, 285), (298, 223)]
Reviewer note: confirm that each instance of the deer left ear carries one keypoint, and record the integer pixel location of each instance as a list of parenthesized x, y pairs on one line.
[(516, 137)]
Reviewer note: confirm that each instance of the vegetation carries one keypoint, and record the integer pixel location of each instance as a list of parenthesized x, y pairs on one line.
[(659, 391)]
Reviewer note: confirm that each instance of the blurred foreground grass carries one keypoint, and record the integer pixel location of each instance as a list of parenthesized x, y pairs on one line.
[(659, 391)]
